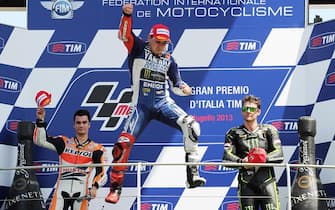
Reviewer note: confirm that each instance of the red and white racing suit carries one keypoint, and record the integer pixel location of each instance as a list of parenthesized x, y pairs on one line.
[(72, 183)]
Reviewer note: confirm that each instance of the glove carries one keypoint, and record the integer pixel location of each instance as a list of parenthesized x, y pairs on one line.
[(257, 155)]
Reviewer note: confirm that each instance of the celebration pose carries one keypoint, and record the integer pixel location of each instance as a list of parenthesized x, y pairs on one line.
[(151, 70), (72, 190), (254, 143)]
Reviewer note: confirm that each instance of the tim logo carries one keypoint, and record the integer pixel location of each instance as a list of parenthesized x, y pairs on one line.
[(46, 167), (322, 40), (66, 48), (132, 169), (230, 205), (111, 108), (241, 46), (330, 79), (62, 9), (11, 125), (216, 168), (10, 85), (154, 205), (285, 125)]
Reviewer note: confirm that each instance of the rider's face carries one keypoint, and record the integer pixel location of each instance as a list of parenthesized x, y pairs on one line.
[(81, 125), (158, 47)]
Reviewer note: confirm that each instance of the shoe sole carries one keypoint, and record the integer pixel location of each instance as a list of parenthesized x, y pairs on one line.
[(197, 183)]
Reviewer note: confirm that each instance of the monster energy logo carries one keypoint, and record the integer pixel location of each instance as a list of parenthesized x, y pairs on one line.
[(146, 73)]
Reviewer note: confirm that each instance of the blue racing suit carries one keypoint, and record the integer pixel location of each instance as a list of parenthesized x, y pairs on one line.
[(150, 78)]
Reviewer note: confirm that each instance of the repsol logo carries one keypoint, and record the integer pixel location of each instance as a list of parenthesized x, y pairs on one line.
[(132, 169), (9, 84), (215, 168), (46, 167), (77, 152), (241, 46), (330, 79), (322, 40), (285, 125), (67, 48), (154, 205)]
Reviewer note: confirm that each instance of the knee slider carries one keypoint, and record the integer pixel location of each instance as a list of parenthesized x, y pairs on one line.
[(191, 132)]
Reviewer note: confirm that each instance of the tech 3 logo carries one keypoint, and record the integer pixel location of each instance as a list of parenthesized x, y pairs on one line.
[(62, 9), (111, 111)]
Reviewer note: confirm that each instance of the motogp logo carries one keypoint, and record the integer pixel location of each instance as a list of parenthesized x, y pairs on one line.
[(62, 9), (111, 111)]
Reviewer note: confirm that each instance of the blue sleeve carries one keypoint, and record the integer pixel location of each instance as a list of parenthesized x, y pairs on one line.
[(174, 74)]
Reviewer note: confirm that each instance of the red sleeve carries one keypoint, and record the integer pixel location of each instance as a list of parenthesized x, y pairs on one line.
[(125, 32)]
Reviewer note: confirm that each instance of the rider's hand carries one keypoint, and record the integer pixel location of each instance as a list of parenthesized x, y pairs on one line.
[(93, 192), (128, 9), (40, 113), (186, 89)]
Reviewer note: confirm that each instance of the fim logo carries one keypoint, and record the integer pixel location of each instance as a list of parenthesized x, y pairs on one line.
[(215, 168), (10, 85), (66, 48), (330, 79), (132, 169), (62, 9), (285, 125), (111, 111), (154, 205), (46, 167), (230, 205), (322, 40), (241, 46)]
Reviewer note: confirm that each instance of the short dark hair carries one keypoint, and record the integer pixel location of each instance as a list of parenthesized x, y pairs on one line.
[(82, 112), (252, 99)]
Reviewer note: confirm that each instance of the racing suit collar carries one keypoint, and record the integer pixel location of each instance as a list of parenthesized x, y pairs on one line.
[(81, 145)]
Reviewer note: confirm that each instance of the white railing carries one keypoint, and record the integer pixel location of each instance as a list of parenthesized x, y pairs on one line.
[(141, 164)]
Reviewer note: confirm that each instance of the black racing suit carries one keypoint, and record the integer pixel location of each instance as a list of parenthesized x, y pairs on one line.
[(257, 185)]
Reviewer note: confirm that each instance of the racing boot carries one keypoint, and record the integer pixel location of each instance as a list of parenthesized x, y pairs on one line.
[(114, 193), (193, 177), (115, 187)]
